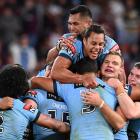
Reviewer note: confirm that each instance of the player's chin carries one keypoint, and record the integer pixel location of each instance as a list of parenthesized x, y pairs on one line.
[(93, 57)]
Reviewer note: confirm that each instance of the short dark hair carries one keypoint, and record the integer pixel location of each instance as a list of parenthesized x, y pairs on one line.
[(83, 10), (85, 65), (93, 28), (13, 81), (137, 65)]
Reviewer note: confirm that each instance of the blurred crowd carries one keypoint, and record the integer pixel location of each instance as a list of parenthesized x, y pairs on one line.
[(29, 28)]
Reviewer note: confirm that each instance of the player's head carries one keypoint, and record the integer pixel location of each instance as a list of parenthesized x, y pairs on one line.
[(80, 18), (134, 76), (111, 66), (13, 81), (85, 65), (93, 41)]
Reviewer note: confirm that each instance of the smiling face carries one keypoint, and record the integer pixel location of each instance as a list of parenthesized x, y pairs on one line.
[(111, 66), (93, 45), (78, 23), (134, 77)]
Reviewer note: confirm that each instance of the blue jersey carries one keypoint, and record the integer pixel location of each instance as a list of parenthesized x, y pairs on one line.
[(110, 45), (48, 104), (15, 121), (122, 134), (87, 122), (134, 126)]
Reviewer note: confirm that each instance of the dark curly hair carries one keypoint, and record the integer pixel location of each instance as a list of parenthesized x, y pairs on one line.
[(13, 81)]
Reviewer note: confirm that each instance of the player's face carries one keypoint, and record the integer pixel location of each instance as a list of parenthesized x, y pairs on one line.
[(111, 66), (134, 77), (93, 45), (77, 23)]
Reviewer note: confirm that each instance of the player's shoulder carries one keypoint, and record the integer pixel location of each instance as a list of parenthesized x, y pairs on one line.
[(110, 44)]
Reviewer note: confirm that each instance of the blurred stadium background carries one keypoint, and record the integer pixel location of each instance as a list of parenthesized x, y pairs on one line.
[(29, 28)]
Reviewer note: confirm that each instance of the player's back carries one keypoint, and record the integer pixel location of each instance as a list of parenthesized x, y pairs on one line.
[(87, 122), (48, 104), (52, 105), (15, 121)]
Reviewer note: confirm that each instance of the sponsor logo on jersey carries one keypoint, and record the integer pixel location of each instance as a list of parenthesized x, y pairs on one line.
[(54, 97)]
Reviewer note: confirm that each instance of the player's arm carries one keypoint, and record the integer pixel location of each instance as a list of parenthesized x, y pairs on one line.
[(42, 83), (113, 118), (6, 102), (53, 53), (130, 109), (46, 121), (61, 72), (135, 93)]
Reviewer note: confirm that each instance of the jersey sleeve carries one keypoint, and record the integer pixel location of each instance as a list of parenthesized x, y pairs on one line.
[(110, 45), (26, 110), (31, 94), (31, 113), (73, 52)]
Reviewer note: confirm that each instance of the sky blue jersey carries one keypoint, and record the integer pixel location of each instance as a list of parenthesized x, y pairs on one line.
[(110, 45), (87, 122), (48, 104), (15, 121), (134, 125), (51, 105)]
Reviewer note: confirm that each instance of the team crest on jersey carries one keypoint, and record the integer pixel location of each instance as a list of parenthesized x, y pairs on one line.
[(32, 93), (29, 108)]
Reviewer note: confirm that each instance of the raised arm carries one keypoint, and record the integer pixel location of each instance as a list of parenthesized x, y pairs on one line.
[(130, 109), (60, 71)]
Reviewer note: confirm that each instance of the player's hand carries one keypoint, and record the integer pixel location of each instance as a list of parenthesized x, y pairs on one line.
[(115, 83), (122, 76), (6, 103), (89, 81), (67, 42), (91, 98)]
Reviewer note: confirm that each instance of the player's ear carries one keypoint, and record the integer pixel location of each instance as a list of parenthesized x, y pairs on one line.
[(98, 73), (84, 41)]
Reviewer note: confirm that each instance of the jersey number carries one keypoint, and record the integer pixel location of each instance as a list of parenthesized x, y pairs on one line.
[(88, 109), (1, 122), (65, 115)]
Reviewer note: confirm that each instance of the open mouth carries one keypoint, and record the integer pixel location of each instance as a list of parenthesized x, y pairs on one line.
[(109, 70)]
